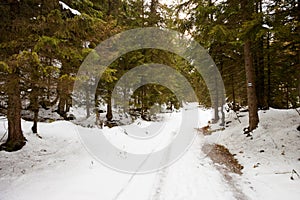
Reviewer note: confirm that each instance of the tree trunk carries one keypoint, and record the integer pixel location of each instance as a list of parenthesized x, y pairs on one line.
[(35, 109), (260, 65), (222, 112), (87, 102), (35, 121), (269, 71), (61, 106), (16, 139), (251, 94), (109, 114), (287, 96), (298, 30), (233, 93), (34, 98), (65, 100), (216, 104), (260, 80), (247, 10)]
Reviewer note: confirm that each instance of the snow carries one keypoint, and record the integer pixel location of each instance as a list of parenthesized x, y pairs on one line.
[(147, 142), (66, 7), (271, 155), (266, 26), (59, 167)]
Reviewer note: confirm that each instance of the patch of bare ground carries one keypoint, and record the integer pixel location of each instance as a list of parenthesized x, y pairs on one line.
[(207, 130), (222, 156), (226, 164)]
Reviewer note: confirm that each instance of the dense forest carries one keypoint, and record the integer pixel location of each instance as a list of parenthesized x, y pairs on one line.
[(254, 43)]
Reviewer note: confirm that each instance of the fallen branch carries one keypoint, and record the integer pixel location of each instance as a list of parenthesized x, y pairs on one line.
[(39, 136), (282, 172)]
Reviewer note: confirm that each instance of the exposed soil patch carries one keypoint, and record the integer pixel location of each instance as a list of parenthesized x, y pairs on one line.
[(207, 130), (221, 155), (226, 164)]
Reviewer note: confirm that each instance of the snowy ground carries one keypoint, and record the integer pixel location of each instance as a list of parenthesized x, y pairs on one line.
[(59, 167), (270, 156)]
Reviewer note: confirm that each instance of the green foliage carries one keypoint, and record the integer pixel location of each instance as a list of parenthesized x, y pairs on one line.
[(222, 28), (47, 44), (108, 75), (251, 28), (4, 68)]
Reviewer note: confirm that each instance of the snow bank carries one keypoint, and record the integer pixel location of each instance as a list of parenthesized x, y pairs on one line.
[(269, 156)]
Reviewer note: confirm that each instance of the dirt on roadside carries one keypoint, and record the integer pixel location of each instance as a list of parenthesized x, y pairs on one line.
[(221, 155), (226, 164)]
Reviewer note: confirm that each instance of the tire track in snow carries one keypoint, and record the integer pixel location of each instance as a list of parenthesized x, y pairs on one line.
[(159, 182), (192, 178)]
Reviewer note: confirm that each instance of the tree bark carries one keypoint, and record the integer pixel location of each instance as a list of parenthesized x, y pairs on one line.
[(87, 102), (260, 80), (35, 108), (269, 71), (109, 114), (61, 106), (216, 104), (251, 93), (65, 99), (34, 98), (233, 93), (16, 139), (247, 9), (35, 121), (260, 65)]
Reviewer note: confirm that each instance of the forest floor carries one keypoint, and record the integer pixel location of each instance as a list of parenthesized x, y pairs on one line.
[(58, 166)]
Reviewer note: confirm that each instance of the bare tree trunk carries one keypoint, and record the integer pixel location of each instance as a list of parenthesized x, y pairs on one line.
[(247, 8), (35, 109), (109, 114), (87, 102), (222, 112), (251, 94), (269, 72), (16, 139), (61, 106), (287, 96), (35, 120), (216, 104), (260, 65), (34, 98), (260, 80), (233, 93), (298, 30), (65, 100)]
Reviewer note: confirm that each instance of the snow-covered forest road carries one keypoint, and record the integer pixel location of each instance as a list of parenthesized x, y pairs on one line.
[(59, 167)]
